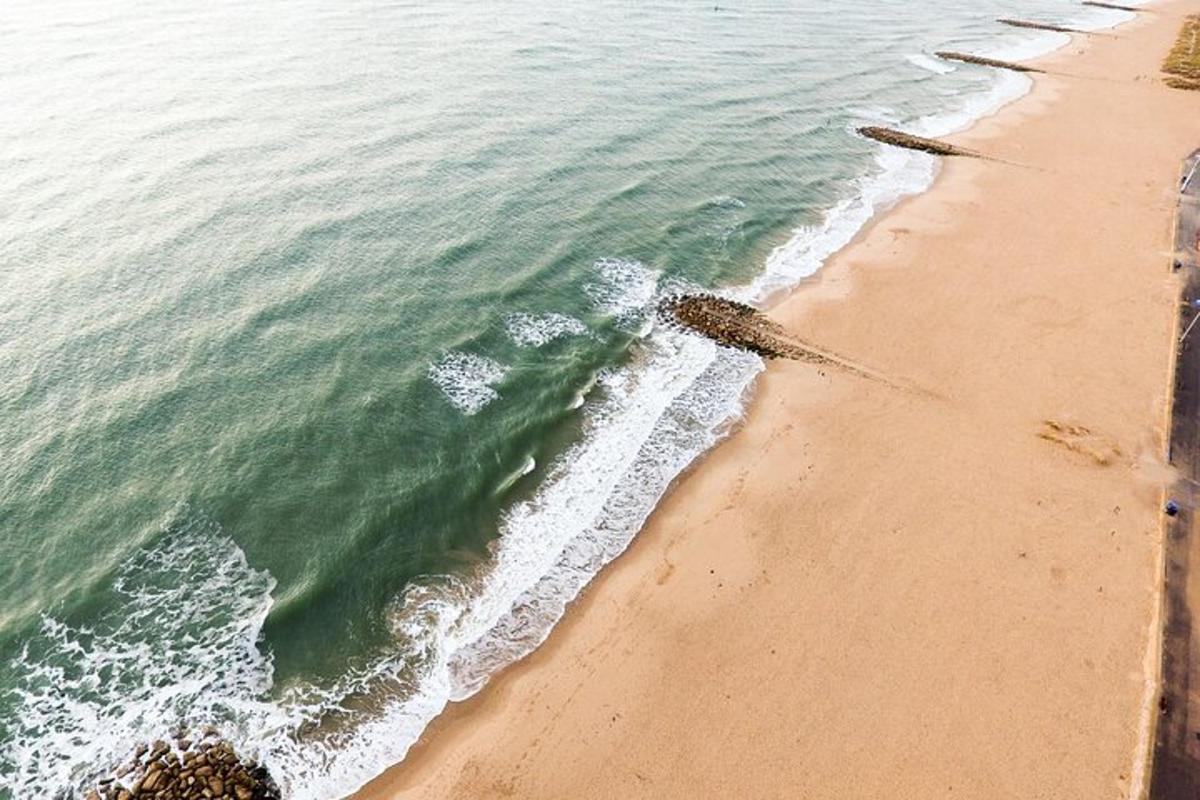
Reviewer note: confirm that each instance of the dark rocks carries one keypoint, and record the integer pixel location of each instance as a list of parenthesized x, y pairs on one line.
[(204, 767), (744, 327), (1117, 6), (1037, 26), (909, 142), (727, 322), (967, 58)]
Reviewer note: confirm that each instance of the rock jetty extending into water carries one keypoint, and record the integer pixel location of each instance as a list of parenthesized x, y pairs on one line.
[(967, 58), (744, 327), (728, 322), (907, 141), (205, 768), (1038, 26), (1117, 6)]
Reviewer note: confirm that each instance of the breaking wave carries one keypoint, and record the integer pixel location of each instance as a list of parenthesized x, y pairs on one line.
[(535, 330), (929, 63), (467, 380), (177, 645)]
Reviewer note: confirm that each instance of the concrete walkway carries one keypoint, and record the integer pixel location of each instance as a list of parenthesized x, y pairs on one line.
[(1176, 770)]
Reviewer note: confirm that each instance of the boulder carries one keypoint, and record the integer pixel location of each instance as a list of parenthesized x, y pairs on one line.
[(200, 766)]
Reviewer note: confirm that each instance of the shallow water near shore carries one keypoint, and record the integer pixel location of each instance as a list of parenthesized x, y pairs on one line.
[(329, 377)]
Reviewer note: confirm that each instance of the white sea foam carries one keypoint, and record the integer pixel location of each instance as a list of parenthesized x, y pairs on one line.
[(652, 417), (581, 395), (1028, 44), (726, 202), (1007, 87), (535, 330), (179, 646), (935, 65), (658, 414), (528, 466), (624, 290), (1024, 46), (900, 173), (467, 380), (648, 420)]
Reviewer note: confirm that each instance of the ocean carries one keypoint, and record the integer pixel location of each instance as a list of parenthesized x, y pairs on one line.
[(329, 374)]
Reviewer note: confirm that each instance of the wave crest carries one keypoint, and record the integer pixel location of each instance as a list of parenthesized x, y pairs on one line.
[(467, 380)]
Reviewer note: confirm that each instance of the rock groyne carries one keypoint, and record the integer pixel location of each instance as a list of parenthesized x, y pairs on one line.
[(204, 768), (909, 142), (744, 327), (727, 322), (1037, 26), (1114, 6), (967, 58)]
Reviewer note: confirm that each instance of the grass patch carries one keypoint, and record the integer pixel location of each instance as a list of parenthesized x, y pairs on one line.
[(1183, 62), (1191, 84)]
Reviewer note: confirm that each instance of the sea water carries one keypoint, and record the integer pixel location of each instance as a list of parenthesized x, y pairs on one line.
[(328, 368)]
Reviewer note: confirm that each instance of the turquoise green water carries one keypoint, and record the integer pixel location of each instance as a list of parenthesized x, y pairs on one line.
[(326, 372)]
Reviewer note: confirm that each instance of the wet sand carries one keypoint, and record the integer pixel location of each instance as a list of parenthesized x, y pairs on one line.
[(872, 593)]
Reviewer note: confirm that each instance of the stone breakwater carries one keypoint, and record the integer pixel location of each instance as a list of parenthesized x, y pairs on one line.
[(1037, 26), (910, 142), (206, 768), (967, 58), (1116, 6), (728, 322), (744, 327)]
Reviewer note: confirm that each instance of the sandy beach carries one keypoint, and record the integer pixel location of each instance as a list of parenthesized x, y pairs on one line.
[(868, 592)]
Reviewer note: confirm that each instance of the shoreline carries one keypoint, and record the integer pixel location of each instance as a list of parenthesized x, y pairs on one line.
[(449, 735)]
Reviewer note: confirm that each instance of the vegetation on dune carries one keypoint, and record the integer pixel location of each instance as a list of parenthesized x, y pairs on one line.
[(1191, 84), (1183, 62)]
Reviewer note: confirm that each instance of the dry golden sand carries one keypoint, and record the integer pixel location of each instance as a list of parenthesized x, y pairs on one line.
[(866, 593)]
